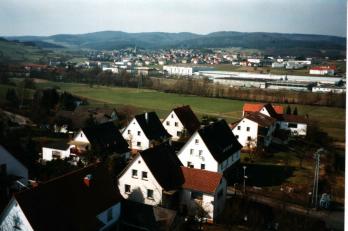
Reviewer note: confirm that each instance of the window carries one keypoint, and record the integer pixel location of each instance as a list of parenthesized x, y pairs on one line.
[(248, 129), (178, 133), (238, 128), (172, 116), (139, 133), (150, 193), (144, 175), (292, 125), (189, 164), (196, 141), (176, 124), (191, 151), (200, 152), (138, 144), (109, 215), (168, 123), (237, 136), (127, 188), (249, 138), (196, 195), (128, 131), (134, 173), (220, 193), (202, 166)]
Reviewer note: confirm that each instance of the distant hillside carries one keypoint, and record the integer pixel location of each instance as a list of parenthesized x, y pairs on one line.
[(25, 51), (271, 43)]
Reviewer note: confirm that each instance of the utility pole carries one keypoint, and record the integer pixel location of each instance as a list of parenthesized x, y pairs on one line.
[(244, 177), (316, 177)]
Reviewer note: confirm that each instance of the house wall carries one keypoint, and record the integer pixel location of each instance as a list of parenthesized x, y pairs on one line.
[(240, 131), (133, 138), (211, 203), (173, 130), (116, 213), (301, 129), (12, 213), (13, 166), (81, 137), (195, 158), (229, 161), (139, 186), (48, 155)]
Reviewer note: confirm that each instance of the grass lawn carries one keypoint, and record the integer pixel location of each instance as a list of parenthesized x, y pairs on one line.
[(331, 119)]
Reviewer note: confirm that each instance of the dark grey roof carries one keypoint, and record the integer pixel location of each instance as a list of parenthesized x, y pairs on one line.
[(219, 139), (152, 126), (59, 145), (106, 136), (67, 203), (139, 216), (164, 165), (187, 118)]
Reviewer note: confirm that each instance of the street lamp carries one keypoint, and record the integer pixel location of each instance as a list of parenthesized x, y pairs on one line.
[(244, 178), (309, 201)]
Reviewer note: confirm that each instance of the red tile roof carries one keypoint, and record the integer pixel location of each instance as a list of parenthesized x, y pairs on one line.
[(201, 180), (322, 68), (256, 107)]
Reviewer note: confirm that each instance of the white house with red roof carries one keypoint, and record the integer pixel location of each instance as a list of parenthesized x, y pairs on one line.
[(267, 109), (322, 70), (203, 192), (254, 129)]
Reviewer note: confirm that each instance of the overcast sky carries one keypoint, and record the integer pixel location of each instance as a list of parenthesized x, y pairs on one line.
[(48, 17)]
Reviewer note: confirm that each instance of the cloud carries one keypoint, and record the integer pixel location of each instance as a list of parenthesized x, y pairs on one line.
[(43, 17)]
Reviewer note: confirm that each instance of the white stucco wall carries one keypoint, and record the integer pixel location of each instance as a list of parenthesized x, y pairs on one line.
[(81, 137), (47, 153), (131, 135), (196, 158), (9, 216), (13, 166), (139, 186), (173, 130), (210, 202), (240, 131), (116, 213)]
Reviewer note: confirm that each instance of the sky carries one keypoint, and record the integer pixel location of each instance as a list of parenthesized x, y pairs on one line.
[(48, 17)]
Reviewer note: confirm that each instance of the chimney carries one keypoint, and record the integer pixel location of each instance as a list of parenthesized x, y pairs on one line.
[(87, 180)]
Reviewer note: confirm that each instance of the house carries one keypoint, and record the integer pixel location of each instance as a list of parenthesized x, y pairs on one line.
[(253, 129), (203, 193), (12, 171), (267, 109), (152, 177), (213, 148), (322, 70), (144, 131), (181, 122), (296, 124), (81, 200), (101, 137), (56, 150)]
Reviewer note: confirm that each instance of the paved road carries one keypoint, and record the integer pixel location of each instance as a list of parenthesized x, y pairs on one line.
[(333, 219)]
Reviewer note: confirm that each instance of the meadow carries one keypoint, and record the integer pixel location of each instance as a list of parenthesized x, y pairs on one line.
[(330, 119)]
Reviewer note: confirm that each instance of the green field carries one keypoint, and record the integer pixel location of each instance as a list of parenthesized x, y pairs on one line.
[(331, 119)]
